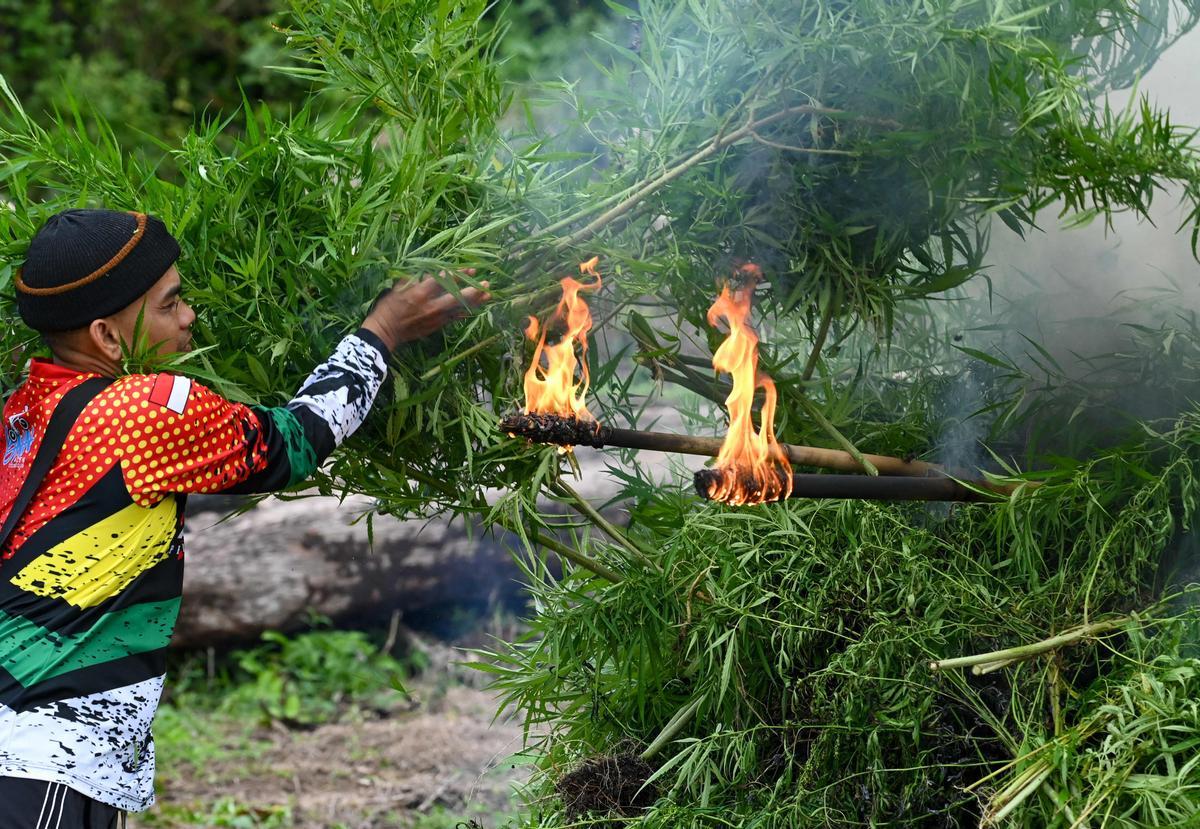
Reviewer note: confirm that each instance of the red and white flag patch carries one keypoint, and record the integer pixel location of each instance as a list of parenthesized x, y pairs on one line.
[(171, 392)]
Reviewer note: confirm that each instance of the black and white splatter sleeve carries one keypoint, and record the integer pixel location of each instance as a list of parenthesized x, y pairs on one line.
[(334, 400)]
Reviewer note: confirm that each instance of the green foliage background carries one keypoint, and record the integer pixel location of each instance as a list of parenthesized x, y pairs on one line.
[(860, 152)]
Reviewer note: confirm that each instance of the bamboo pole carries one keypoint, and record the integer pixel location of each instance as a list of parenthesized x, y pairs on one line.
[(567, 432), (570, 432), (564, 431), (863, 487)]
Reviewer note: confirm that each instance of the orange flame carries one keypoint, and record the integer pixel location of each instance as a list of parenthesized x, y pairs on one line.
[(753, 467), (553, 388)]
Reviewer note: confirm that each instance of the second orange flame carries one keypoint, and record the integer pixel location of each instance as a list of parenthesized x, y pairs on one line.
[(754, 468), (552, 388)]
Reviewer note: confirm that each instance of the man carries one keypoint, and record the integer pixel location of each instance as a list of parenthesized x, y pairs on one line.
[(91, 569)]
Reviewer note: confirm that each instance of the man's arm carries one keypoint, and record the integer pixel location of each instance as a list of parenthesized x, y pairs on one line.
[(192, 440)]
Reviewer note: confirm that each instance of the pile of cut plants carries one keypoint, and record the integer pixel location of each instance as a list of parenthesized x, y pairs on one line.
[(815, 663)]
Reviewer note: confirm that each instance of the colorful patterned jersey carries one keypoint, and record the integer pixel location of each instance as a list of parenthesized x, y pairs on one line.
[(90, 579)]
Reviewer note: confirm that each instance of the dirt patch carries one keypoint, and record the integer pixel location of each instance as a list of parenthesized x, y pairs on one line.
[(444, 754)]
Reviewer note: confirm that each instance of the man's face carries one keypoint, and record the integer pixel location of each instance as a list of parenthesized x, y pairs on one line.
[(166, 318)]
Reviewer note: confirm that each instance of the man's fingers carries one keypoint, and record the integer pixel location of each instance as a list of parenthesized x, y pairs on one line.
[(432, 287), (424, 305), (429, 288), (467, 296), (476, 296), (449, 306)]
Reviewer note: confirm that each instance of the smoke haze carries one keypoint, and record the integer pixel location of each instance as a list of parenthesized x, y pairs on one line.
[(1087, 281), (1076, 291)]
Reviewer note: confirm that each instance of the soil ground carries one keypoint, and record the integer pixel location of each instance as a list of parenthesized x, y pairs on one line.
[(436, 761)]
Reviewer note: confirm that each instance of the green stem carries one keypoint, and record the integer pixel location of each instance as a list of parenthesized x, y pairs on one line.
[(696, 362), (460, 356), (598, 204), (586, 562), (592, 514), (818, 343), (794, 149), (991, 667), (1022, 652), (1061, 800), (1076, 734), (688, 379), (1056, 688), (578, 215), (813, 411), (1026, 784), (430, 481), (640, 192)]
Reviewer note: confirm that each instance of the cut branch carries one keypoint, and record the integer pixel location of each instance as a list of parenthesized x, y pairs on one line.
[(987, 662), (628, 198)]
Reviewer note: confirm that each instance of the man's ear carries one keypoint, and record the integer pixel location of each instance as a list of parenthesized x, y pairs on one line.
[(106, 337)]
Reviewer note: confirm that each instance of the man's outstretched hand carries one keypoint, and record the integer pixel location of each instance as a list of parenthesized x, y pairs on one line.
[(413, 309)]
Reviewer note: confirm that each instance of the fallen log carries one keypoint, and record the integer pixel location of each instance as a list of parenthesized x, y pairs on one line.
[(271, 567)]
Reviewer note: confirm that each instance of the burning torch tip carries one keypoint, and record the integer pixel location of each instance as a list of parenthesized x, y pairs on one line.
[(739, 490), (555, 429)]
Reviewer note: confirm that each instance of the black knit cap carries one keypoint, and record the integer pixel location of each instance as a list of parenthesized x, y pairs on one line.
[(87, 264)]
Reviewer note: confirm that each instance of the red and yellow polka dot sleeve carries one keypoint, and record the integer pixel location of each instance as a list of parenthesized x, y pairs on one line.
[(175, 435)]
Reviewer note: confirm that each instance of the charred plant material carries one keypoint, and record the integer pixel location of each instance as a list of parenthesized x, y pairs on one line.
[(609, 785), (549, 428), (857, 487)]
